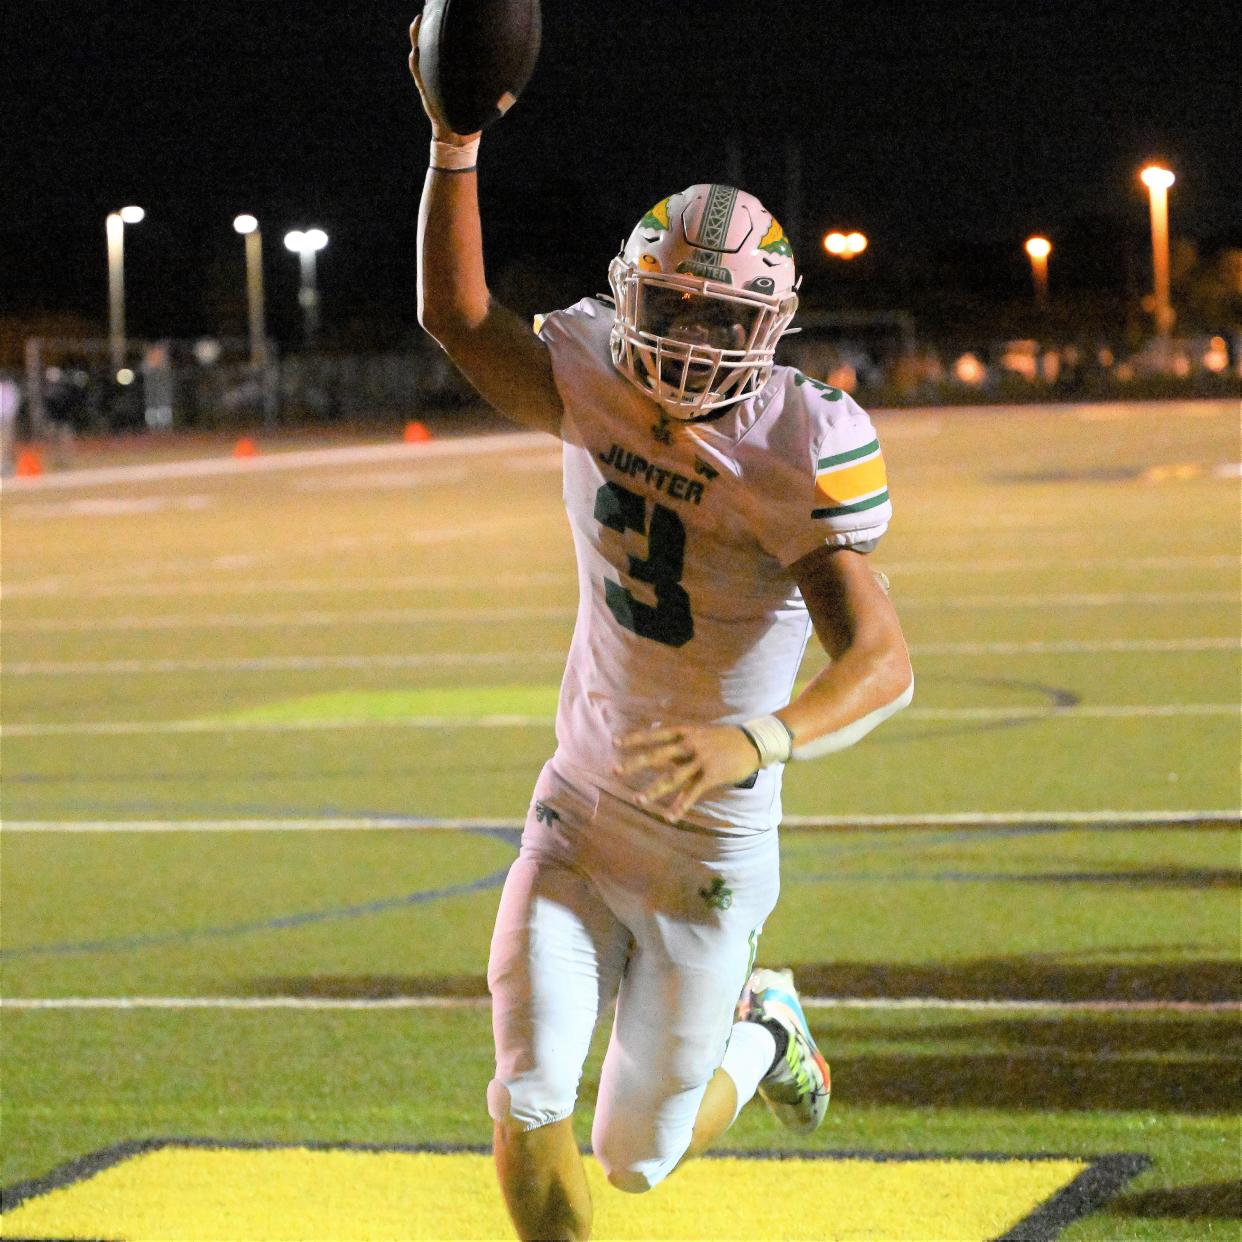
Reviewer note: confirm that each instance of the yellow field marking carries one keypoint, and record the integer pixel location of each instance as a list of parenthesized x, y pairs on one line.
[(192, 1194)]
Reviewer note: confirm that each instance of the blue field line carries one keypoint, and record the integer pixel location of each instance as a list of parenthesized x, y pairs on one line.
[(119, 944)]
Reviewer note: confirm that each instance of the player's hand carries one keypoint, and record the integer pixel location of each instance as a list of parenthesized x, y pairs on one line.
[(439, 130), (683, 762)]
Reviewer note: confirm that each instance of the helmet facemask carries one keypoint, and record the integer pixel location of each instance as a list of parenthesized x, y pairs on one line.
[(697, 329)]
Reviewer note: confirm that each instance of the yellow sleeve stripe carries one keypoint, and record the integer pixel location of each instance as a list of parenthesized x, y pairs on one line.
[(852, 482)]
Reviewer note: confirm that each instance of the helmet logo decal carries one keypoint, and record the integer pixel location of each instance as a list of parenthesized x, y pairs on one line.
[(657, 217), (714, 224), (775, 242)]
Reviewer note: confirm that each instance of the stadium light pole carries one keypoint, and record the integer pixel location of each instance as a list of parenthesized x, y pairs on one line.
[(248, 227), (306, 245), (114, 228), (1158, 179), (1038, 249)]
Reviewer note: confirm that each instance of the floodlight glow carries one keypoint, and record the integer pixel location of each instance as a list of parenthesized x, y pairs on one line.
[(125, 376), (245, 224), (306, 242), (855, 243), (132, 215), (835, 243), (1156, 178), (1038, 247)]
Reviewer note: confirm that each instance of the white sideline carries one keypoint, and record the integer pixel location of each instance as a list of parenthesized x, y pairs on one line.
[(77, 1003), (1029, 713), (255, 664), (203, 467), (410, 823)]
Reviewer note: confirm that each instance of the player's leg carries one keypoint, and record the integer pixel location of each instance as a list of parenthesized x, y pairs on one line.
[(771, 1051), (543, 1180), (663, 1094), (557, 953)]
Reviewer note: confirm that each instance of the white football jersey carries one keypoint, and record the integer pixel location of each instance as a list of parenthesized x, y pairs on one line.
[(684, 535)]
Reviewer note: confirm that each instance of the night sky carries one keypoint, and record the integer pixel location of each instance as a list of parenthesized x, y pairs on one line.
[(937, 129)]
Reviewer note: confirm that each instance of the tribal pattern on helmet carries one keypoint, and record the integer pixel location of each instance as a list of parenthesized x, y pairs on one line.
[(704, 288)]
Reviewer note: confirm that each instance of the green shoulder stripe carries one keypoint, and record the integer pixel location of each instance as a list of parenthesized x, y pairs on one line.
[(859, 506), (827, 463)]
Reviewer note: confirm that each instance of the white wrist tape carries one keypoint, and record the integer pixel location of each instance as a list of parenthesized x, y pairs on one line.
[(446, 157), (771, 738), (839, 739)]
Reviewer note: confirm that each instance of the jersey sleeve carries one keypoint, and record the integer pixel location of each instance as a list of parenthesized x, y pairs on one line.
[(837, 486), (577, 341)]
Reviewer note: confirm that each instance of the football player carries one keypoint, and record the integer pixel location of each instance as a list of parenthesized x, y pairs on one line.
[(721, 507)]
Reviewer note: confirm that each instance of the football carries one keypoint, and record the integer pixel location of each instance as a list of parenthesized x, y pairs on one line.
[(476, 56)]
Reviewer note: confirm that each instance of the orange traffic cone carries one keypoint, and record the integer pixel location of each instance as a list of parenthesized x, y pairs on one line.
[(416, 433), (29, 464), (245, 448)]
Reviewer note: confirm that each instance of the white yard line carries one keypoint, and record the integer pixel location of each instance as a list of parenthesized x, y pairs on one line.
[(262, 1003), (268, 664), (259, 664), (466, 446), (1086, 599), (1151, 646), (500, 616), (502, 720), (295, 620), (430, 583), (964, 819), (60, 585)]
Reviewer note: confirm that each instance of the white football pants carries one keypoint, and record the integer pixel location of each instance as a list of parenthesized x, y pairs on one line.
[(607, 901)]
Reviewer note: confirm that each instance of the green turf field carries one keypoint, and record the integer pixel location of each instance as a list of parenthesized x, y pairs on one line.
[(259, 695)]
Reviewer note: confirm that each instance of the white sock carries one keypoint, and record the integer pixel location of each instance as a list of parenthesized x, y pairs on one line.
[(748, 1058)]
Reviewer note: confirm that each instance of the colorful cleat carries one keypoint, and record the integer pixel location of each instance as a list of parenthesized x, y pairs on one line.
[(797, 1087)]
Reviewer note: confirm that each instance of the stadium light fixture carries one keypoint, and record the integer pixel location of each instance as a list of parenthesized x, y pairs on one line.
[(245, 224), (1155, 177), (845, 245), (1038, 249), (114, 230), (1158, 179), (306, 244)]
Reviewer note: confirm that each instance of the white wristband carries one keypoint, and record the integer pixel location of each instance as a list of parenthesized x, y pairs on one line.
[(446, 157), (771, 738)]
